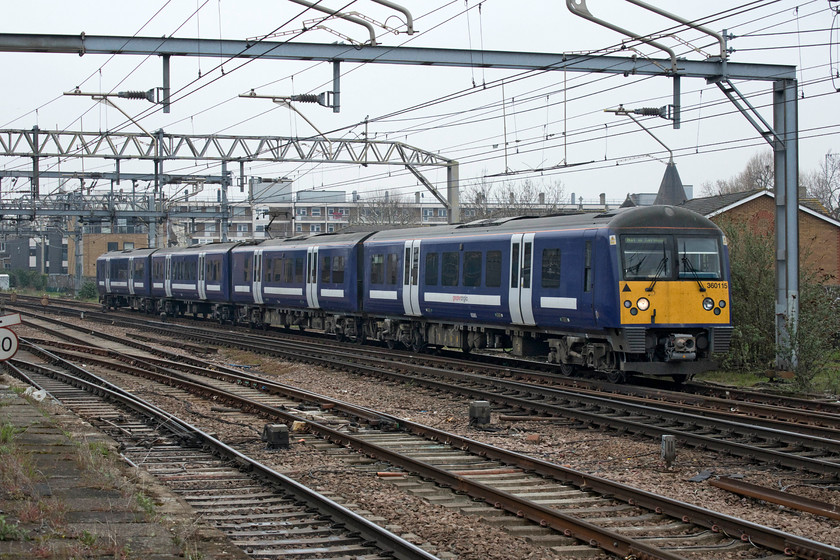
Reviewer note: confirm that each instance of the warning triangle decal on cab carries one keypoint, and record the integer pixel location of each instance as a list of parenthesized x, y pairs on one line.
[(626, 288)]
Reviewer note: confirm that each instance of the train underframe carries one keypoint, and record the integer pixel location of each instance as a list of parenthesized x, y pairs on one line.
[(680, 354)]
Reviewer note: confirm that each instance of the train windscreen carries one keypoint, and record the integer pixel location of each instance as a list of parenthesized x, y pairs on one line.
[(668, 257)]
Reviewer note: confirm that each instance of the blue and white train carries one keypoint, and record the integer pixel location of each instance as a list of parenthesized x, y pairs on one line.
[(642, 290)]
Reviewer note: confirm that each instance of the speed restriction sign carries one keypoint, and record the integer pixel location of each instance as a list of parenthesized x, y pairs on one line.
[(8, 344)]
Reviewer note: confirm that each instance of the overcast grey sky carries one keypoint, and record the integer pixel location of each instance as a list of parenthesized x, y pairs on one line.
[(495, 121)]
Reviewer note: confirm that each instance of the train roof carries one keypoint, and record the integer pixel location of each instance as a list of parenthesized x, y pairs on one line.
[(125, 253), (203, 248), (646, 217), (338, 238)]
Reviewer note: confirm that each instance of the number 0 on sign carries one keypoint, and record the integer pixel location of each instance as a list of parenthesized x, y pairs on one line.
[(8, 344)]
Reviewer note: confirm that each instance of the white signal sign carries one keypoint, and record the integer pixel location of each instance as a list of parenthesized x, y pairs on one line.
[(9, 320), (8, 344)]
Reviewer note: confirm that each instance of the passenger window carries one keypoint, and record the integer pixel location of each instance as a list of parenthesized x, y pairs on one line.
[(391, 270), (246, 270), (472, 268), (514, 266), (288, 271), (449, 274), (432, 269), (299, 270), (325, 269), (493, 266), (551, 268), (526, 265), (377, 269), (338, 270)]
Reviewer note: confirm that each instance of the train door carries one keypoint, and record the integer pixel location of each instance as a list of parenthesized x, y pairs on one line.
[(107, 273), (587, 299), (521, 291), (130, 275), (256, 280), (201, 281), (312, 277), (411, 275), (167, 276)]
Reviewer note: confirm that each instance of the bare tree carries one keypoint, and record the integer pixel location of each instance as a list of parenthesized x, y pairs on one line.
[(383, 208), (512, 198), (824, 183), (758, 174)]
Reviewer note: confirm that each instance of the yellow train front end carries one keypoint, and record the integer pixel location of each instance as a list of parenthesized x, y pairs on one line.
[(673, 294)]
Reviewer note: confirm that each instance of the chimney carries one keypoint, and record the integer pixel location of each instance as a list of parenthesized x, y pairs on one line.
[(603, 199)]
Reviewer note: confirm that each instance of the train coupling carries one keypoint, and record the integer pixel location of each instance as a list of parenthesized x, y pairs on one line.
[(680, 348)]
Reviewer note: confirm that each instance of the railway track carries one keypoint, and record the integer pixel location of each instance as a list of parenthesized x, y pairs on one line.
[(224, 486), (529, 488), (796, 441)]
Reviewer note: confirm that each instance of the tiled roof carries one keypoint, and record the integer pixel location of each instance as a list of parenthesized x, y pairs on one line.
[(711, 204)]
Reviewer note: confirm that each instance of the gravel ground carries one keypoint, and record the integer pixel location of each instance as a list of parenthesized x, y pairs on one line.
[(623, 458)]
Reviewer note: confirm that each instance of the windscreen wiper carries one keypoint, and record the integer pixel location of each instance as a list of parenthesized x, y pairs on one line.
[(693, 271), (663, 264)]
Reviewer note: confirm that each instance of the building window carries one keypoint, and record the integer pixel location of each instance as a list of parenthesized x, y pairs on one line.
[(298, 228), (315, 228), (128, 246), (243, 228), (330, 229), (441, 212), (113, 246), (316, 211), (301, 212), (428, 212)]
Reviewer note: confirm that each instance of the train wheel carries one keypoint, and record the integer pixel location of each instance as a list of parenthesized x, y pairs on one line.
[(616, 376), (391, 344), (567, 369)]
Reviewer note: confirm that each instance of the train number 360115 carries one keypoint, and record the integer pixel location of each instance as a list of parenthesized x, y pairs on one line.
[(723, 285)]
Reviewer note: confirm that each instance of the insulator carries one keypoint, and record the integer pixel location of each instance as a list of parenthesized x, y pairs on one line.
[(132, 94), (649, 111), (306, 98), (147, 95)]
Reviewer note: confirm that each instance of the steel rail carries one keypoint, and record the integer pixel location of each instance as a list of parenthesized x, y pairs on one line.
[(688, 513), (385, 540), (307, 354)]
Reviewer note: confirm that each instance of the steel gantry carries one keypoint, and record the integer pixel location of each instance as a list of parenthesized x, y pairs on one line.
[(782, 134)]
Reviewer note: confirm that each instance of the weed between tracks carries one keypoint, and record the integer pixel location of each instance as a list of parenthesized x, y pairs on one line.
[(31, 515)]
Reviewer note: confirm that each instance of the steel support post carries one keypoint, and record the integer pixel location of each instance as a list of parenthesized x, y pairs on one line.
[(453, 194), (786, 163), (224, 201)]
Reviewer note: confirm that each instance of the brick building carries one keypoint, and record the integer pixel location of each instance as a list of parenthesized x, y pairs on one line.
[(819, 233)]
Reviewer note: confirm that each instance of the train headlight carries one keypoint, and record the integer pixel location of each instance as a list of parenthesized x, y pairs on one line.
[(721, 304), (627, 304), (643, 304), (708, 304)]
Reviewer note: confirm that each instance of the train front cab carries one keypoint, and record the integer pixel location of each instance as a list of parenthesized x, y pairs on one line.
[(673, 297)]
